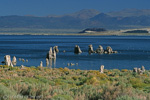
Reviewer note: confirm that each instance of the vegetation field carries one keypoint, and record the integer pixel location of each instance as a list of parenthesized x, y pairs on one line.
[(43, 83)]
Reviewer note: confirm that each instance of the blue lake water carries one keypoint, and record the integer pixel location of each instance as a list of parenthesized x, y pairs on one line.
[(133, 51)]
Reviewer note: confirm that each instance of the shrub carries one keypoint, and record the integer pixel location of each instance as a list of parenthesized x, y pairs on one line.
[(126, 97), (7, 94), (124, 70), (137, 83), (75, 77), (147, 81), (64, 83), (62, 97), (92, 80)]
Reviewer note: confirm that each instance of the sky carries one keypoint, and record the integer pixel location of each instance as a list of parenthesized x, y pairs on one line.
[(60, 7)]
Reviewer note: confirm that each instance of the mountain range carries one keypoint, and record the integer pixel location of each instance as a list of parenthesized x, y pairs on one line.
[(87, 18)]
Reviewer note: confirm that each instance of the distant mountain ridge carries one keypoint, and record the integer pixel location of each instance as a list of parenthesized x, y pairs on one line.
[(82, 14), (85, 14), (130, 13), (80, 20)]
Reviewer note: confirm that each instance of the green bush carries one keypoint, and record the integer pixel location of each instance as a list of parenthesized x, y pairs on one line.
[(137, 83)]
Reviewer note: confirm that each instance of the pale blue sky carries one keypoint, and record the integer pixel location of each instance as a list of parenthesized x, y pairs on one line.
[(59, 7)]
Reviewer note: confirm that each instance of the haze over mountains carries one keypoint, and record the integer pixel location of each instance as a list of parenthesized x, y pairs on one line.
[(128, 18)]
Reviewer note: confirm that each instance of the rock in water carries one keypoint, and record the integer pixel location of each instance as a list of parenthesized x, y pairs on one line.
[(19, 59), (55, 48), (143, 69), (22, 67), (139, 71), (109, 50), (68, 64), (47, 62), (51, 54), (100, 50), (14, 61), (72, 64), (8, 60), (102, 69), (77, 49), (135, 70), (41, 64), (90, 50), (54, 54), (23, 60)]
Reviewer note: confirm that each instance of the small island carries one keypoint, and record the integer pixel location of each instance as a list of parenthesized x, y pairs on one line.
[(137, 31), (90, 30)]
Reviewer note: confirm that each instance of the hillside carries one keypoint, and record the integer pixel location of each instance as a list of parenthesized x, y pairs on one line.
[(131, 18)]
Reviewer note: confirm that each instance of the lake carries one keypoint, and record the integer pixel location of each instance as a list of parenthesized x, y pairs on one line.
[(133, 51)]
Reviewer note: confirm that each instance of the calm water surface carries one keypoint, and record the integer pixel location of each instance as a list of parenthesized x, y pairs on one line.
[(133, 51)]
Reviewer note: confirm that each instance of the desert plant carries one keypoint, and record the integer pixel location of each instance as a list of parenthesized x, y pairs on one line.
[(126, 97), (7, 94)]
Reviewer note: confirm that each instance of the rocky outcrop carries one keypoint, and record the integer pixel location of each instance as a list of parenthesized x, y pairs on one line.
[(14, 61), (102, 69), (23, 60), (41, 64), (8, 60), (47, 62), (90, 50), (135, 70), (51, 54), (19, 59), (100, 50), (109, 50), (22, 67), (55, 48), (77, 49), (54, 54), (143, 69), (139, 70)]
